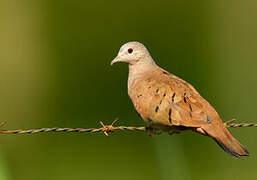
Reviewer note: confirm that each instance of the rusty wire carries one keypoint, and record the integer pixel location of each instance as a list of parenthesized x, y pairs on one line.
[(105, 128)]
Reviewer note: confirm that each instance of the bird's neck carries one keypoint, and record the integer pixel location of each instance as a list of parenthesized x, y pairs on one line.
[(136, 71)]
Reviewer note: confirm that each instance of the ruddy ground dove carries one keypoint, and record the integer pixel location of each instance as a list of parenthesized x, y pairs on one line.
[(169, 103)]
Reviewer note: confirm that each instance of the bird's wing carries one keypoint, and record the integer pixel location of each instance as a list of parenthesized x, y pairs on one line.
[(168, 100)]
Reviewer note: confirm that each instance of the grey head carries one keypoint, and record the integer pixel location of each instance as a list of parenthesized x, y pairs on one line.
[(134, 53)]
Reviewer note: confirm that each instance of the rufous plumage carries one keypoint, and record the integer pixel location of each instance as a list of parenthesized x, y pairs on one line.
[(169, 103)]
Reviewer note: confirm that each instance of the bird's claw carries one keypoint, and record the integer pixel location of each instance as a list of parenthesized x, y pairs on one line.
[(108, 128), (174, 132), (152, 131)]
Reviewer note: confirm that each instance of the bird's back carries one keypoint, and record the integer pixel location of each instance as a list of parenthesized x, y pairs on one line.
[(164, 98)]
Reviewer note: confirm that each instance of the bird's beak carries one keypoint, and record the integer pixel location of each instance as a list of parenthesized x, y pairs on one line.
[(117, 59)]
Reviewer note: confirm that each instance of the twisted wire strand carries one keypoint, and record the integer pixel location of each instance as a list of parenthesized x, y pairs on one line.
[(242, 125), (105, 128), (78, 130)]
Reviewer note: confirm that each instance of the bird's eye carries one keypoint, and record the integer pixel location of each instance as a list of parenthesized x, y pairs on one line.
[(130, 50)]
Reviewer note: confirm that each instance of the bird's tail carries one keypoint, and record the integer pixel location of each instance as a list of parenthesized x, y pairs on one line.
[(225, 140)]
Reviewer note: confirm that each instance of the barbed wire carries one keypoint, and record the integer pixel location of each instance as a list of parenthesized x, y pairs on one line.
[(105, 128)]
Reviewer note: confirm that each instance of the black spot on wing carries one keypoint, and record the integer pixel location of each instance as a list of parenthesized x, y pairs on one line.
[(190, 107), (157, 109), (173, 96), (170, 111), (156, 92), (191, 110), (160, 102)]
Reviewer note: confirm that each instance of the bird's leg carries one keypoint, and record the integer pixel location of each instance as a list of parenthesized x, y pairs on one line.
[(152, 130), (174, 131)]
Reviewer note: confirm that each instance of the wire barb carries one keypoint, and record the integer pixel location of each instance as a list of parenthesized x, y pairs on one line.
[(108, 128), (229, 121), (105, 128)]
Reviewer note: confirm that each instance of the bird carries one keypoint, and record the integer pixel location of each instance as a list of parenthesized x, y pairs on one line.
[(170, 104)]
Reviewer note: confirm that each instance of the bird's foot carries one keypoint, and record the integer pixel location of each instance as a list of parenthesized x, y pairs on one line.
[(152, 130), (175, 131), (108, 128)]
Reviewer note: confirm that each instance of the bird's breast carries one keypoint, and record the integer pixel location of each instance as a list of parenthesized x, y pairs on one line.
[(150, 102)]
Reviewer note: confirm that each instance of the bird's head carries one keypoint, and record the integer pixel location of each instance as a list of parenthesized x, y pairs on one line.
[(133, 53)]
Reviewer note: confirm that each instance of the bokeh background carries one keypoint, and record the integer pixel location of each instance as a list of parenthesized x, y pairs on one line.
[(54, 71)]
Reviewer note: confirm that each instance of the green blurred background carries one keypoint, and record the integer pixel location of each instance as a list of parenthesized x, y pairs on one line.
[(54, 71)]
